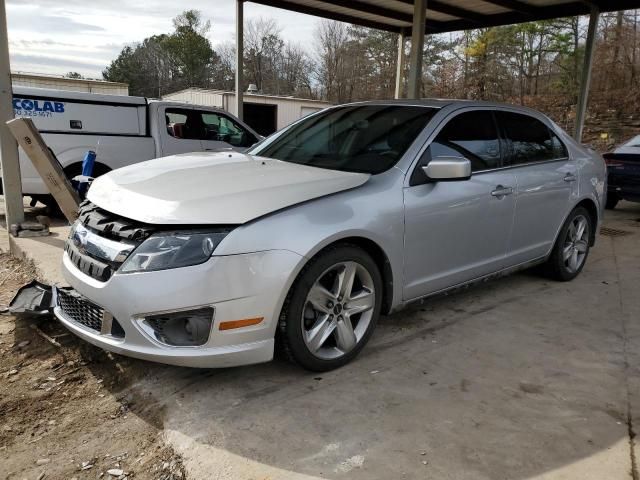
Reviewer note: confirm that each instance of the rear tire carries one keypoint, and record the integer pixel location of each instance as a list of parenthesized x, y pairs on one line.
[(331, 309), (571, 249), (612, 201)]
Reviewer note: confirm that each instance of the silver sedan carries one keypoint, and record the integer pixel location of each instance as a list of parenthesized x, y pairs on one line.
[(305, 240)]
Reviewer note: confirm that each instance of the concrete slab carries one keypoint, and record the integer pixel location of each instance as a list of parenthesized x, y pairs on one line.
[(521, 378), (45, 251)]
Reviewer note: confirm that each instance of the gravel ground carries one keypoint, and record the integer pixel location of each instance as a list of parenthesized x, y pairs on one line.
[(67, 411)]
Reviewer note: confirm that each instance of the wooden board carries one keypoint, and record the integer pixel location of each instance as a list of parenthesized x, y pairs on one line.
[(28, 137)]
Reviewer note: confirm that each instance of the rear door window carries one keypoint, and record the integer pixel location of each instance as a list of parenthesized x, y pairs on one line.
[(183, 124), (530, 140), (559, 149)]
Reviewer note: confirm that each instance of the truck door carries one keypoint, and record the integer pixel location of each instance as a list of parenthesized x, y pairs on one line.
[(223, 132), (179, 130)]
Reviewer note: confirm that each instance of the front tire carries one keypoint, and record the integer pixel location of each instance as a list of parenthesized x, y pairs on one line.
[(332, 309), (572, 247)]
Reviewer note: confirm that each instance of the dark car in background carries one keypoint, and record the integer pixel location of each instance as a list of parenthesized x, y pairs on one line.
[(623, 168)]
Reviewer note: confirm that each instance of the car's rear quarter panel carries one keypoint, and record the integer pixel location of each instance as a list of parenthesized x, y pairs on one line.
[(592, 173)]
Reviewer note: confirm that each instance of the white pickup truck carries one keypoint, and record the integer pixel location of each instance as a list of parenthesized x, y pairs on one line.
[(122, 130)]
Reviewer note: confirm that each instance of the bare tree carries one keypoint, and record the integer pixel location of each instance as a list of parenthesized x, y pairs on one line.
[(273, 65), (224, 76), (333, 72), (262, 45)]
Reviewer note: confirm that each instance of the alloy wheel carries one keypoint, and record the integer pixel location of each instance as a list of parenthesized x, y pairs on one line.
[(576, 244), (338, 310)]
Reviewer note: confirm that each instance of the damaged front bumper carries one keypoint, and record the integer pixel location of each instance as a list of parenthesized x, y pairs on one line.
[(117, 314)]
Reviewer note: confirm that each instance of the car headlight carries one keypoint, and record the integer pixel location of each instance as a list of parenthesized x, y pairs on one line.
[(173, 250)]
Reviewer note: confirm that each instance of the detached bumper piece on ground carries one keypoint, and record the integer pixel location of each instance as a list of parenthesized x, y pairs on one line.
[(34, 298)]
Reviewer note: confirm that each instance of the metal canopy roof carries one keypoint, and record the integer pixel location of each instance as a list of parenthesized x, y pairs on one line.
[(446, 15)]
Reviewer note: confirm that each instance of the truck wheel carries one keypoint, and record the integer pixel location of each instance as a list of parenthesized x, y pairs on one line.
[(71, 171), (75, 169), (332, 309)]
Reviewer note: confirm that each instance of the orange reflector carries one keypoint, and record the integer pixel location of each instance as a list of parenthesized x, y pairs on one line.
[(247, 322)]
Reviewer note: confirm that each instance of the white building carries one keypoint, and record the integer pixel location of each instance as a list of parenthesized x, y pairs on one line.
[(55, 82), (264, 113)]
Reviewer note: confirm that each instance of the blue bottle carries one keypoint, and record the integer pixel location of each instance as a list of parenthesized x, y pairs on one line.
[(87, 171)]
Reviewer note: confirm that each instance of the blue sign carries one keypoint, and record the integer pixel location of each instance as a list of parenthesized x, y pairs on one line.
[(27, 105)]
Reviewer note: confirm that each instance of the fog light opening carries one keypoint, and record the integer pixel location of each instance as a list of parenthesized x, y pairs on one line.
[(188, 328)]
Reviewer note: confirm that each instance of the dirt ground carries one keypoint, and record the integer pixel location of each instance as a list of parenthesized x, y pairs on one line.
[(67, 411)]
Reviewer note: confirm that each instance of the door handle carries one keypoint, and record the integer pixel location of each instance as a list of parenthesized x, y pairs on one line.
[(501, 191), (569, 177)]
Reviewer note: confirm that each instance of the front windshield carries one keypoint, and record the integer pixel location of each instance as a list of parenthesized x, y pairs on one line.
[(355, 138)]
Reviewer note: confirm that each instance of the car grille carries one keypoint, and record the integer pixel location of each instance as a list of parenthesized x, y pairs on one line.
[(87, 264), (107, 225), (80, 310), (113, 226)]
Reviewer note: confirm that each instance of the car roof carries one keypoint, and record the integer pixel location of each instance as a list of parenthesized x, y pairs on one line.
[(445, 102), (425, 102)]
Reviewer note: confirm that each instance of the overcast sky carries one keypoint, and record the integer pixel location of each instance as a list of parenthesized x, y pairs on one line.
[(58, 36)]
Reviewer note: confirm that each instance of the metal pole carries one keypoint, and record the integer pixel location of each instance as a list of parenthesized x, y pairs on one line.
[(400, 65), (417, 45), (9, 161), (239, 57), (581, 109)]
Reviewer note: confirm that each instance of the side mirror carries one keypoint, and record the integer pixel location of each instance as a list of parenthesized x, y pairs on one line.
[(444, 168)]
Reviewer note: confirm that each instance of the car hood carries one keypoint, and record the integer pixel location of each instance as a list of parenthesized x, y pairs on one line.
[(213, 188)]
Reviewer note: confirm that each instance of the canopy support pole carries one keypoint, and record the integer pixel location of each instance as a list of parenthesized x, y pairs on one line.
[(239, 57), (585, 81), (9, 160), (417, 46), (400, 65)]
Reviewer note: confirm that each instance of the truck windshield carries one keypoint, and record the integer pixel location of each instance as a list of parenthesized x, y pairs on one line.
[(355, 138)]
